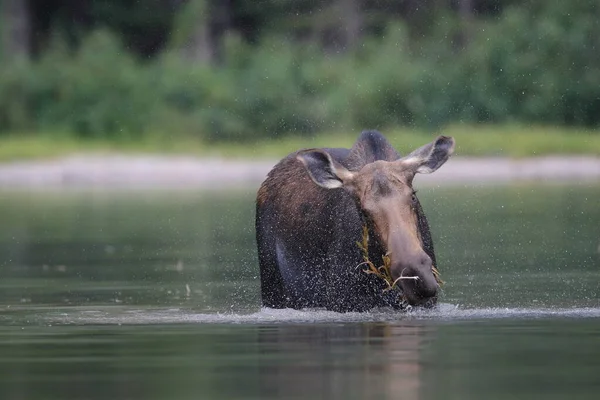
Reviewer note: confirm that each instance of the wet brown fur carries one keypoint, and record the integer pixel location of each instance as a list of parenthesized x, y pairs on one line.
[(303, 217)]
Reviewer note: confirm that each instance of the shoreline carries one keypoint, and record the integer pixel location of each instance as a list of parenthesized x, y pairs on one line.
[(186, 172)]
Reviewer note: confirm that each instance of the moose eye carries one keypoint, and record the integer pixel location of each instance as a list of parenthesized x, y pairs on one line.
[(414, 197)]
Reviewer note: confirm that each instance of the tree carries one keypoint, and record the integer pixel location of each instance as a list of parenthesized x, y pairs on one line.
[(15, 28), (351, 21), (465, 10), (191, 31)]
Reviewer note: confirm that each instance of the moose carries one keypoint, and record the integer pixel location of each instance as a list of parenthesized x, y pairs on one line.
[(310, 214)]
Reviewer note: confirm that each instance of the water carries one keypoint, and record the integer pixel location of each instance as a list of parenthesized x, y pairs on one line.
[(154, 295)]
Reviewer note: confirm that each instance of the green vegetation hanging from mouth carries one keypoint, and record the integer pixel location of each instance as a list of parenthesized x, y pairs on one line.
[(384, 272)]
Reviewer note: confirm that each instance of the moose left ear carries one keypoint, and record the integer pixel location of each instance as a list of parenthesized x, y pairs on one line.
[(430, 157)]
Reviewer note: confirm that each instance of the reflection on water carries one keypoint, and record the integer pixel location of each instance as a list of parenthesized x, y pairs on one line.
[(329, 361), (497, 359), (128, 248), (144, 295), (275, 361)]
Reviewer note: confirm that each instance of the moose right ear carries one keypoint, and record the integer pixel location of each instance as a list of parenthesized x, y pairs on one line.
[(323, 170), (430, 157)]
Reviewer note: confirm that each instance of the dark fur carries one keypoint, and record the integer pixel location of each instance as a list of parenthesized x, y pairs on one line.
[(308, 234)]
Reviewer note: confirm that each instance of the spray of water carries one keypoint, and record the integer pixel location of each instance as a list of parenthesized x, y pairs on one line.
[(443, 312)]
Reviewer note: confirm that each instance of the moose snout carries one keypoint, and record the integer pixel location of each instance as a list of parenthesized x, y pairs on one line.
[(418, 282)]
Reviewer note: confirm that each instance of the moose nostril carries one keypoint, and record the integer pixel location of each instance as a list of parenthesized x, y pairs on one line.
[(417, 266), (419, 282)]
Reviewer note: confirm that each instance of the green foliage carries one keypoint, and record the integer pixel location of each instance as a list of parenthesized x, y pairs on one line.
[(535, 64), (266, 91), (98, 91), (546, 63)]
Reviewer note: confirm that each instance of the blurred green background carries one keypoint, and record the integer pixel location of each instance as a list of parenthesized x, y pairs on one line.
[(187, 74)]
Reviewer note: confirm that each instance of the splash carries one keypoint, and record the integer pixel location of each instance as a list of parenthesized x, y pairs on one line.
[(443, 312)]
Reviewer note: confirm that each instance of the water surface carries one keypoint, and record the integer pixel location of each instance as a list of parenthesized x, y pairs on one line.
[(155, 295)]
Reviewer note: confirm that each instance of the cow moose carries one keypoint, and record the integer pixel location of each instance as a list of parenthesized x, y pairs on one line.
[(310, 213)]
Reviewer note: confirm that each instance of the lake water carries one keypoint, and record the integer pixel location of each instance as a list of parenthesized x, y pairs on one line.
[(155, 295)]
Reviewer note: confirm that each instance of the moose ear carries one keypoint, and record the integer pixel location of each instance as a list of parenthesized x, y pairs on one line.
[(323, 170), (430, 157)]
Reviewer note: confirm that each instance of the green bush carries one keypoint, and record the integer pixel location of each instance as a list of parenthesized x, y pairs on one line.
[(14, 96), (266, 91), (527, 65), (98, 91), (530, 65)]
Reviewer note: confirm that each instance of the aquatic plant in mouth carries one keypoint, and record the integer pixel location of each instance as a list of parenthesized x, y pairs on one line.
[(384, 271)]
